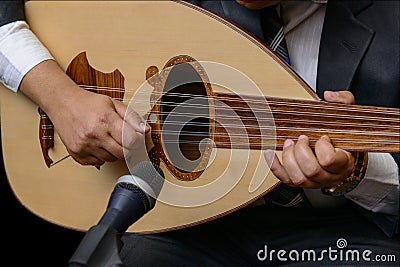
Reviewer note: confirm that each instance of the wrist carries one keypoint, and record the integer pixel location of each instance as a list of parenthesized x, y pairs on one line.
[(351, 182), (48, 86)]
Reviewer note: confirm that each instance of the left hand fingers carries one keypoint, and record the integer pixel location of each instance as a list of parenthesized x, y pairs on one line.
[(308, 163), (344, 97), (333, 160), (300, 167), (288, 172), (325, 167), (292, 165)]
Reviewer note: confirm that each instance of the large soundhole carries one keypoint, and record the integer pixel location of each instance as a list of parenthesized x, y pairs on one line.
[(185, 118)]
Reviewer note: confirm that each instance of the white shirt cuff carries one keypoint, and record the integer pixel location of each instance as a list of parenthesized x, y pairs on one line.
[(20, 51), (379, 190)]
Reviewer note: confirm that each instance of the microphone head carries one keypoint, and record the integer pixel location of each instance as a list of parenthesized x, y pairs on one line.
[(146, 179), (150, 173)]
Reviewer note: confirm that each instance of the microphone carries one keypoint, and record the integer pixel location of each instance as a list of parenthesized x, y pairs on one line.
[(133, 196)]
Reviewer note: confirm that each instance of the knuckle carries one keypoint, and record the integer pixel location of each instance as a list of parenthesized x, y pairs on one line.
[(89, 135), (327, 161), (102, 119), (297, 183), (298, 180), (312, 171), (75, 148), (89, 132)]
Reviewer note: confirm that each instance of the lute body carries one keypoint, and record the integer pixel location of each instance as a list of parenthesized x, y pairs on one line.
[(132, 36)]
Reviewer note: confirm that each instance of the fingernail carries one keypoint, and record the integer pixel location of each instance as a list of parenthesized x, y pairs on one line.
[(288, 143), (303, 137), (326, 138), (333, 94), (269, 157)]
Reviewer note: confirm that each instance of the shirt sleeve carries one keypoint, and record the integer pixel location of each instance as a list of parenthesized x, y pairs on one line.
[(379, 191), (20, 51)]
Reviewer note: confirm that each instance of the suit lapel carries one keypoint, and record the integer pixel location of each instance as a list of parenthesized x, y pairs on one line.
[(344, 39), (344, 42)]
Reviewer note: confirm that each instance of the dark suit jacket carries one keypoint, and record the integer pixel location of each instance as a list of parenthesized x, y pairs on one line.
[(359, 52)]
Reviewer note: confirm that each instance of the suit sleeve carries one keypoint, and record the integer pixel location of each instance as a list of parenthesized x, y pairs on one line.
[(11, 11)]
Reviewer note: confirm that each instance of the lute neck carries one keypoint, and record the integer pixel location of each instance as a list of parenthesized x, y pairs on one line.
[(266, 122)]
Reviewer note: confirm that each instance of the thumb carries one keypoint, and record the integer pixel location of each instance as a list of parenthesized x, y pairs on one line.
[(131, 117), (344, 97)]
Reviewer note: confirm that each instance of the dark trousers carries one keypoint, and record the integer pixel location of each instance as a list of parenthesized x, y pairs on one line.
[(255, 236)]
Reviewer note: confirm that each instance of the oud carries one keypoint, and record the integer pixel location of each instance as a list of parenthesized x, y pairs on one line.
[(207, 139)]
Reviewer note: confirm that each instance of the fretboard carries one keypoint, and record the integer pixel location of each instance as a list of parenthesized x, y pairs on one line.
[(266, 122)]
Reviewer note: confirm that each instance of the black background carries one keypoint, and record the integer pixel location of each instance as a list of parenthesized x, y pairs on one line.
[(28, 240)]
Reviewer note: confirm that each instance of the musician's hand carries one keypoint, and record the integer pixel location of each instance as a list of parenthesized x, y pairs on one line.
[(344, 97), (303, 167), (91, 128), (90, 125)]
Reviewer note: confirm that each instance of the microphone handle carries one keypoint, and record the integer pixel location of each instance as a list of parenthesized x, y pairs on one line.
[(101, 244), (99, 248), (124, 208)]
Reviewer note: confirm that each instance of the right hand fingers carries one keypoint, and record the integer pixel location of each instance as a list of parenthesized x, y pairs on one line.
[(131, 117), (98, 125), (132, 129)]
